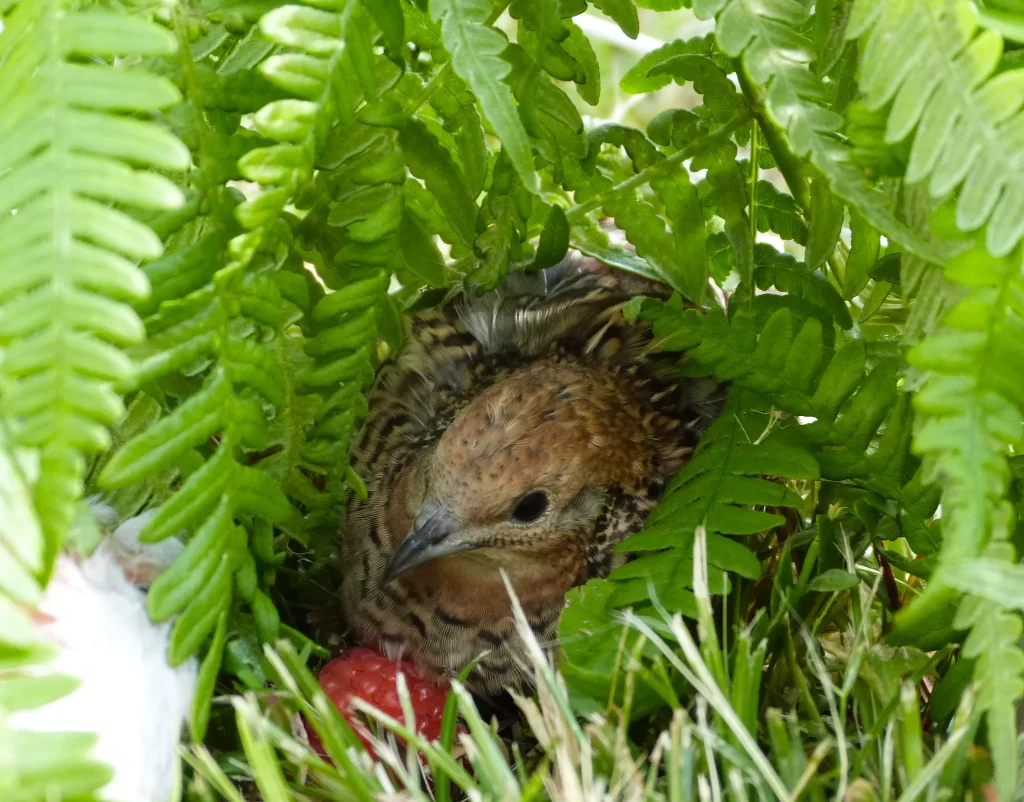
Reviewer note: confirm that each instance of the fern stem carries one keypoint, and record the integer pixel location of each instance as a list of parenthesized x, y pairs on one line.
[(789, 165), (755, 141), (193, 96), (439, 77), (580, 210), (428, 89)]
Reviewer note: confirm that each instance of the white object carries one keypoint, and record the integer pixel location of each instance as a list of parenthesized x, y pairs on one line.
[(129, 696)]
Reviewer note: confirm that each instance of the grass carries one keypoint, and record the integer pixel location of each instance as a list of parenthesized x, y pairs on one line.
[(840, 727)]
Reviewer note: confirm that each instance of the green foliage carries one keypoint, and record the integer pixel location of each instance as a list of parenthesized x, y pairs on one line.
[(722, 490), (70, 146), (476, 47), (971, 405), (38, 765), (944, 90), (776, 55), (215, 217)]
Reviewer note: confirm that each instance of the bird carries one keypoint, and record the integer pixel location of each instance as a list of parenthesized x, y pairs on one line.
[(518, 435)]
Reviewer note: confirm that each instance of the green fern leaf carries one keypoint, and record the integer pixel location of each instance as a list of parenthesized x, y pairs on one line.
[(558, 46), (971, 400), (860, 428), (945, 88), (457, 109), (506, 208), (37, 765), (21, 538), (971, 409), (769, 38), (321, 36), (993, 642), (232, 323), (624, 13), (548, 114), (778, 212), (589, 238), (716, 489), (476, 49), (786, 274), (432, 164), (720, 97), (67, 258), (645, 76), (541, 34), (578, 46)]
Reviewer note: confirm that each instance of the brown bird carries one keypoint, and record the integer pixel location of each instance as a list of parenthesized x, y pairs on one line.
[(523, 432)]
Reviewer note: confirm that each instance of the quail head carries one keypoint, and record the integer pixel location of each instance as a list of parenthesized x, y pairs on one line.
[(521, 434)]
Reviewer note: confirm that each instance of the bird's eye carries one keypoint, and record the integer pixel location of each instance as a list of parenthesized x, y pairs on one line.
[(530, 507)]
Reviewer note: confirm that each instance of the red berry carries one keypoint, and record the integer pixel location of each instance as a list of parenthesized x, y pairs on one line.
[(368, 675)]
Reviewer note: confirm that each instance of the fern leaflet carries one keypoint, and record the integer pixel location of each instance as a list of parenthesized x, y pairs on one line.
[(67, 258), (768, 37), (936, 65)]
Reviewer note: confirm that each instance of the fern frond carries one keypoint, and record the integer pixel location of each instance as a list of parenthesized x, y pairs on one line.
[(215, 430), (678, 256), (994, 642), (778, 212), (476, 48), (971, 400), (942, 84), (456, 107), (971, 407), (808, 287), (556, 43), (300, 126), (549, 116), (647, 76), (353, 236), (222, 323), (507, 207), (860, 427), (716, 489), (71, 147), (768, 36), (22, 544)]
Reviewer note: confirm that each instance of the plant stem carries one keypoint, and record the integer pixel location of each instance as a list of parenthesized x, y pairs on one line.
[(789, 164), (429, 88), (439, 77), (646, 175), (754, 148)]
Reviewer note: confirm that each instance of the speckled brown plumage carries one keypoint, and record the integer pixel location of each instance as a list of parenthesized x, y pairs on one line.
[(525, 431)]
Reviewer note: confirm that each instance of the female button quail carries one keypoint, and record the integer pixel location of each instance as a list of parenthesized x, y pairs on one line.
[(526, 432)]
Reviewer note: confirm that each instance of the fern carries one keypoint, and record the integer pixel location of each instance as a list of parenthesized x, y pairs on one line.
[(778, 212), (775, 54), (678, 257), (67, 256), (549, 115), (860, 428), (647, 74), (945, 88), (475, 49), (238, 320), (37, 765), (716, 490), (971, 405)]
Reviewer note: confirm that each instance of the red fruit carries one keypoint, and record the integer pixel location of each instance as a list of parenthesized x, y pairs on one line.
[(370, 676)]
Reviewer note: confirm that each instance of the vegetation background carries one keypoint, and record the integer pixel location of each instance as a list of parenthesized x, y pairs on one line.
[(848, 173)]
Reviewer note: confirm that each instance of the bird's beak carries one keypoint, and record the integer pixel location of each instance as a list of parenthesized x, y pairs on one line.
[(429, 537)]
